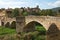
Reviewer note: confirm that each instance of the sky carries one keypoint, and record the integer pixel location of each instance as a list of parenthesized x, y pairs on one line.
[(43, 4)]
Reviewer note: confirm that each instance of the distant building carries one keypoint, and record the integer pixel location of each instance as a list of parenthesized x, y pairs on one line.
[(8, 12)]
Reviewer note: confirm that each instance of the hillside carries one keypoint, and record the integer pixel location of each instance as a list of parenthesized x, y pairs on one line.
[(56, 9)]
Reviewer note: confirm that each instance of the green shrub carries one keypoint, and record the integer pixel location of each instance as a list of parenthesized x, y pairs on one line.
[(4, 31)]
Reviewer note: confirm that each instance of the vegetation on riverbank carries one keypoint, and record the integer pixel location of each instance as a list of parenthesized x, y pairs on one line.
[(10, 34), (4, 31)]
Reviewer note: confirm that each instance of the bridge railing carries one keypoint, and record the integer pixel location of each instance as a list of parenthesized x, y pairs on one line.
[(45, 17)]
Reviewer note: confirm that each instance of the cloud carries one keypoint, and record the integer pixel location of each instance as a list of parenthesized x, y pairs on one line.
[(17, 3), (28, 3), (55, 4), (11, 4)]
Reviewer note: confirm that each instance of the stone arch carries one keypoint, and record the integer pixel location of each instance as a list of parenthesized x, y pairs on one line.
[(31, 26), (53, 33), (7, 24), (2, 23), (13, 25), (52, 29)]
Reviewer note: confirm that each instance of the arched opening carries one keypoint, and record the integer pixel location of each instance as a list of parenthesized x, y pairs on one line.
[(2, 23), (34, 27), (53, 29), (53, 32), (13, 25), (7, 25)]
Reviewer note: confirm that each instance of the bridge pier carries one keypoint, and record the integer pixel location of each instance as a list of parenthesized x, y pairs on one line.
[(20, 23)]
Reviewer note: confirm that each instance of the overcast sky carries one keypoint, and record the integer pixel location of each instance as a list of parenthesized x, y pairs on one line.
[(43, 4)]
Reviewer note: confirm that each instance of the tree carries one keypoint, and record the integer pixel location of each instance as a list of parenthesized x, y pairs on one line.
[(16, 12), (25, 13), (43, 12), (47, 12)]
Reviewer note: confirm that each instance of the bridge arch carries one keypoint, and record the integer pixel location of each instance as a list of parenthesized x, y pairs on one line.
[(7, 24), (52, 29), (53, 33), (2, 23), (13, 25), (30, 26)]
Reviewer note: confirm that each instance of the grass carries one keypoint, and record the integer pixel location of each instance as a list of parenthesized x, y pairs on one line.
[(9, 32), (4, 31)]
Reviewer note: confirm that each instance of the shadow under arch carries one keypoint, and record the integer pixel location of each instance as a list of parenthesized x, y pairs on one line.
[(30, 27), (38, 34), (52, 29), (2, 23), (13, 25), (7, 25)]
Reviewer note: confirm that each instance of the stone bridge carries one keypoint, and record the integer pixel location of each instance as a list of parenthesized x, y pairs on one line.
[(5, 20), (46, 21), (26, 23), (50, 23)]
